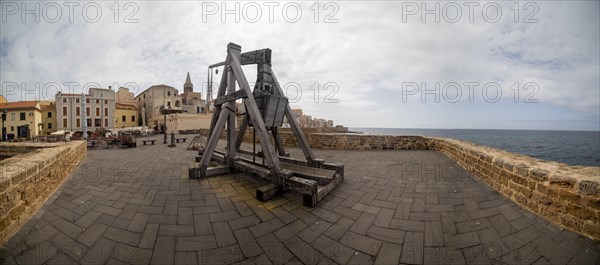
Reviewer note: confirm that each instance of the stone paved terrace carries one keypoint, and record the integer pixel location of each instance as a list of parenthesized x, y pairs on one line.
[(135, 206)]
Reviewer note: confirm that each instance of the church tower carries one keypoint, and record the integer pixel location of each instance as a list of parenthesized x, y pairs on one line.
[(188, 87)]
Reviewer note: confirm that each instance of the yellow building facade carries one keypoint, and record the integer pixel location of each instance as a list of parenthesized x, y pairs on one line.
[(23, 119), (126, 115), (48, 117)]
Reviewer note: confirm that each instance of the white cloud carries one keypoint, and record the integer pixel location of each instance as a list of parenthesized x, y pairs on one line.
[(368, 54)]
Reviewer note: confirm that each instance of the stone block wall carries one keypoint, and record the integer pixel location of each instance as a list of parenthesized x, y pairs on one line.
[(27, 180), (566, 195)]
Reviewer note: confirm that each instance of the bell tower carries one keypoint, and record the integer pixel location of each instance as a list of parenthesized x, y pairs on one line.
[(188, 87)]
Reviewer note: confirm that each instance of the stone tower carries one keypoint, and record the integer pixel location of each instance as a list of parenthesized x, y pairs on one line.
[(188, 87)]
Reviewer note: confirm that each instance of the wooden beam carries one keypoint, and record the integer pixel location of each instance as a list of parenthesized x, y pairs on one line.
[(278, 141), (302, 142), (241, 132), (252, 110), (230, 97)]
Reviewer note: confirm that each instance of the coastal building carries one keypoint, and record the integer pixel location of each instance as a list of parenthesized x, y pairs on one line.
[(151, 100), (48, 117), (99, 110), (126, 115), (23, 119)]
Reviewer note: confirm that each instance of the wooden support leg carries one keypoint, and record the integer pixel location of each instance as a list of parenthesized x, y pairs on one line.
[(278, 141), (241, 133), (267, 192), (213, 140)]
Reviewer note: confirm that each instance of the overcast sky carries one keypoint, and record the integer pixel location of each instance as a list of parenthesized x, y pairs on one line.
[(361, 64)]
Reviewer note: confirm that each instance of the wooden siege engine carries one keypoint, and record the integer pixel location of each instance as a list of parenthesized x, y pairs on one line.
[(266, 106)]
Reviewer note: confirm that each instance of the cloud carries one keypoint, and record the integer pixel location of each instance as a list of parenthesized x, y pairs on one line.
[(368, 54)]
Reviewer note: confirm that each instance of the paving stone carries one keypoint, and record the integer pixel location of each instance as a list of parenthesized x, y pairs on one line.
[(473, 225), (508, 212), (347, 212), (266, 227), (361, 243), (224, 216), (388, 254), (407, 225), (520, 238), (247, 243), (138, 223), (41, 235), (37, 255), (185, 216), (384, 218), (68, 246), (386, 234), (149, 236), (202, 225), (176, 230), (304, 252), (223, 255), (93, 233), (223, 234), (99, 252), (412, 249), (88, 219), (122, 236), (359, 258), (433, 236), (362, 224), (186, 258), (337, 252), (164, 250), (314, 230), (107, 210), (274, 249), (67, 227), (326, 215), (243, 222), (289, 230), (195, 243), (131, 255), (262, 213)]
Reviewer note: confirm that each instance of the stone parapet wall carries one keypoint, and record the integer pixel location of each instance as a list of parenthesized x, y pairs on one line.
[(566, 195), (27, 180)]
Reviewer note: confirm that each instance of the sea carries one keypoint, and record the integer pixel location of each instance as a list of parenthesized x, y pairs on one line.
[(576, 148)]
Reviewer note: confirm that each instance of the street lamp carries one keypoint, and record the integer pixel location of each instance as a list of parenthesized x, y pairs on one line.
[(3, 119)]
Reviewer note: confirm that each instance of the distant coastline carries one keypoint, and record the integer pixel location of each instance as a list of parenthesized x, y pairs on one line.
[(570, 147)]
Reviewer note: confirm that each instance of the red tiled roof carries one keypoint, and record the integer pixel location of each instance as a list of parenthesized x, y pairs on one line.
[(124, 106), (48, 107), (19, 105)]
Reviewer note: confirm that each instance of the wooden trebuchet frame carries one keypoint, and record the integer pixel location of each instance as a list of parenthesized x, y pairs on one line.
[(265, 108)]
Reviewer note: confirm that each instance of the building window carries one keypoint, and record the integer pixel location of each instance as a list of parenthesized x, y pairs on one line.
[(132, 118), (49, 125), (87, 111), (64, 100), (77, 123), (177, 103), (22, 116), (64, 111), (105, 122), (139, 99), (87, 100), (105, 111), (98, 122), (123, 118), (49, 114), (77, 111), (168, 93), (168, 103), (76, 100), (97, 111), (97, 101), (88, 122), (65, 122), (12, 116), (12, 128), (106, 101), (144, 95), (30, 114)]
